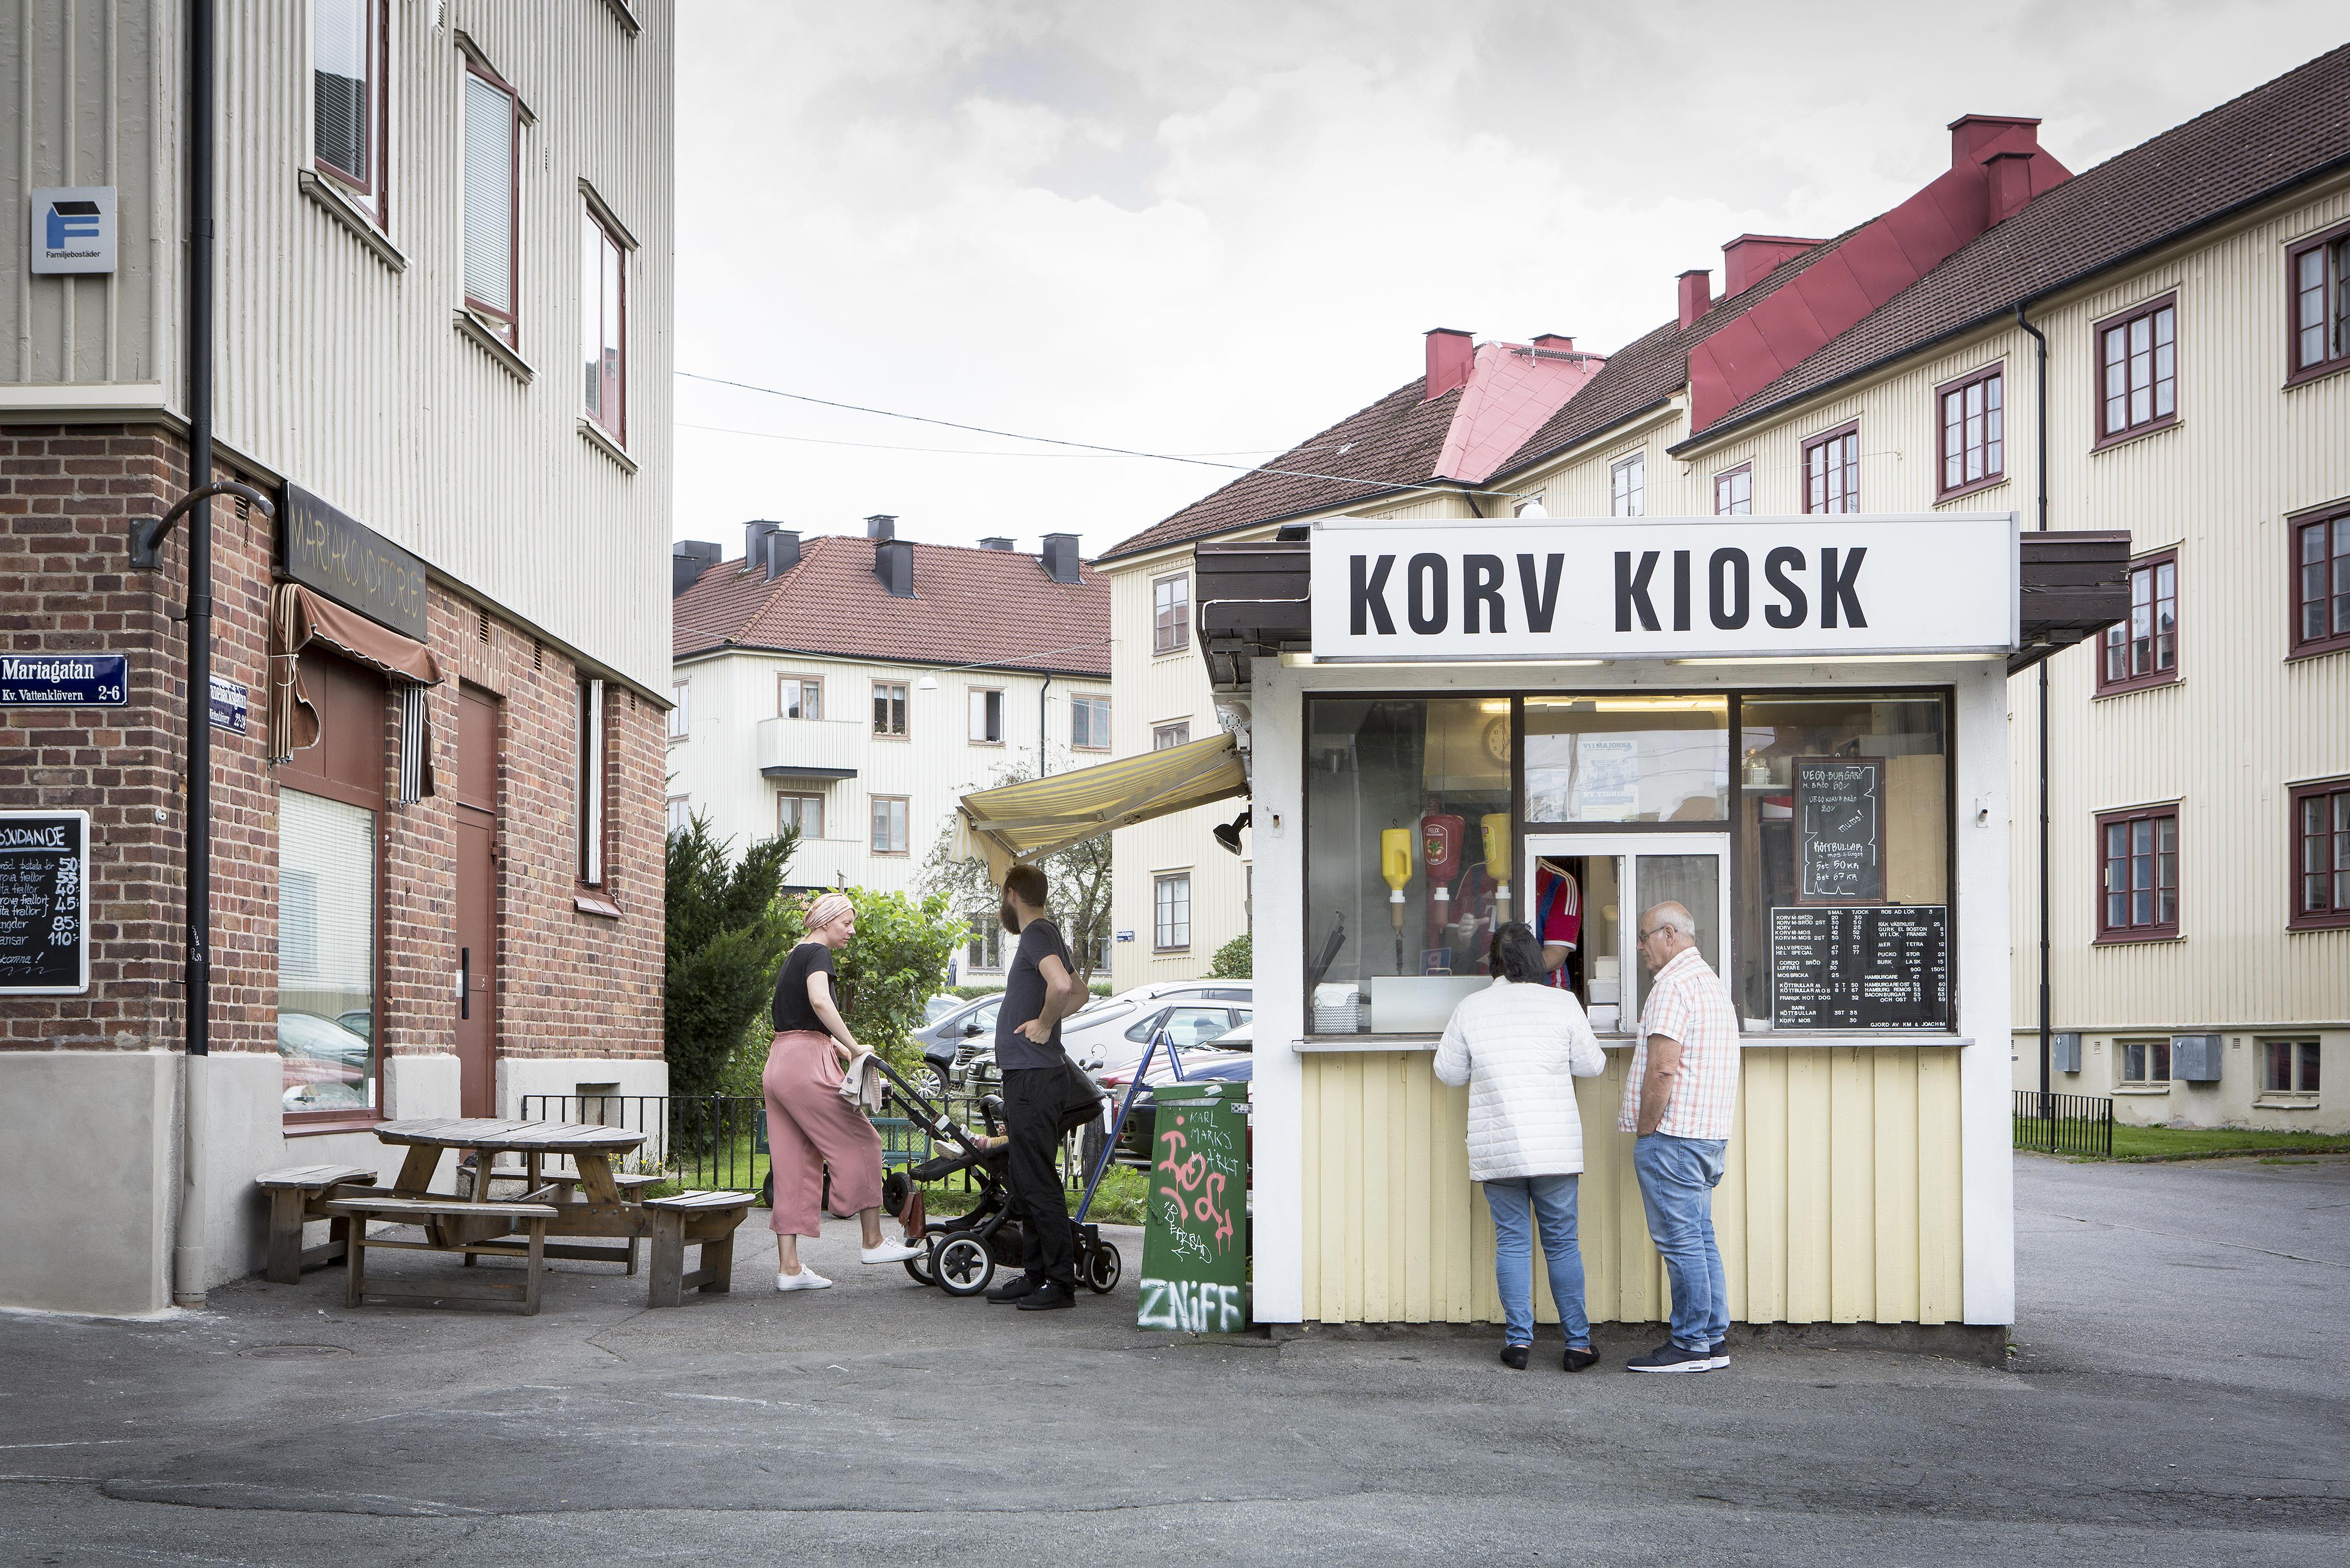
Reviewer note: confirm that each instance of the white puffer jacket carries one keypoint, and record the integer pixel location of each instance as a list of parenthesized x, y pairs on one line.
[(1520, 1049)]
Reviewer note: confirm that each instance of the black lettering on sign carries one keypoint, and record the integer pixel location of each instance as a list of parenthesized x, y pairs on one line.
[(1426, 590), (1794, 606), (1367, 594), (1631, 590), (1839, 830), (1680, 590), (1481, 584), (44, 903), (1726, 589), (1541, 607), (1839, 587)]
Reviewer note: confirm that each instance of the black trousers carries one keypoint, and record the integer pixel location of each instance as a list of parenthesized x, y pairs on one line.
[(1033, 1101)]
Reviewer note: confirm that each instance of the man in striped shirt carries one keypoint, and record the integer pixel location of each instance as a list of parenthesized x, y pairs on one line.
[(1679, 1097)]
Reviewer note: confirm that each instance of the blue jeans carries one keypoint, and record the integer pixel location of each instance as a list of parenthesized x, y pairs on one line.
[(1678, 1176), (1552, 1201)]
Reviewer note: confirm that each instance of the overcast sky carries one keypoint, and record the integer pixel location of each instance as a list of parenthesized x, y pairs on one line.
[(1213, 228)]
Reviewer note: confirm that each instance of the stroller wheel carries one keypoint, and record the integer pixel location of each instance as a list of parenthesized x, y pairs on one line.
[(1103, 1269), (919, 1267), (963, 1265)]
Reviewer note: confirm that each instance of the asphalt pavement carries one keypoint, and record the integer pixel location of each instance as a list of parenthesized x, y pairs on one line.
[(2179, 1394)]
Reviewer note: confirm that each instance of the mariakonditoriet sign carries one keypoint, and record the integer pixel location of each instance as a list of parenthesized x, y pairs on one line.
[(1773, 587), (324, 547)]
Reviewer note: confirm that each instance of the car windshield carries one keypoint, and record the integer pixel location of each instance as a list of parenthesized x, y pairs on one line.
[(939, 1007)]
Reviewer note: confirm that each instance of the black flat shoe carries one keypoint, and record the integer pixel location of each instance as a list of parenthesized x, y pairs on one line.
[(1047, 1297), (1013, 1289), (1513, 1357), (1577, 1360)]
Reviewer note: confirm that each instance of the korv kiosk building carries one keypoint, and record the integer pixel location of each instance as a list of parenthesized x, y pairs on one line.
[(1794, 726)]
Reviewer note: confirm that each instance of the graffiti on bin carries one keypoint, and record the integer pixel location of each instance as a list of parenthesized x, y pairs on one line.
[(1195, 1238), (1191, 1305), (1198, 1168)]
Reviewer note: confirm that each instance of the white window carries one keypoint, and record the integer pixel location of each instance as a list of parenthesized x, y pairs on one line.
[(493, 189), (1090, 723), (2289, 1066), (1629, 481), (888, 825), (803, 812), (590, 783), (603, 326), (2144, 1061), (348, 94), (889, 707), (1165, 737), (681, 812), (986, 942), (1170, 614), (1171, 909), (987, 718), (799, 697), (681, 710)]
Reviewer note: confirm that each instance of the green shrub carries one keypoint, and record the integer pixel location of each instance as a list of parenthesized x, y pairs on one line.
[(1233, 960), (888, 973)]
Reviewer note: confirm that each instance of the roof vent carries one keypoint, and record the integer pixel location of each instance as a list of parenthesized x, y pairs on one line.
[(687, 560), (1697, 294), (879, 526), (1749, 258), (1060, 557), (1451, 353), (783, 551), (995, 542), (893, 562)]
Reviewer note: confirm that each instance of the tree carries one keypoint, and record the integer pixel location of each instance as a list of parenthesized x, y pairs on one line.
[(884, 978), (728, 931), (1080, 877)]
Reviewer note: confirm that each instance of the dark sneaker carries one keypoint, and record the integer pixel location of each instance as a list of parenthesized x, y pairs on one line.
[(1013, 1289), (1718, 1354), (1671, 1357), (1513, 1357), (1047, 1296), (1580, 1360)]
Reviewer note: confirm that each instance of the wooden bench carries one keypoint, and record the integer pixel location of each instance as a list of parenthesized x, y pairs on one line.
[(560, 1189), (437, 1214), (706, 1220), (297, 1195)]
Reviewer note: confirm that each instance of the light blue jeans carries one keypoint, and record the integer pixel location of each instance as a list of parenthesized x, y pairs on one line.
[(1552, 1201), (1678, 1176)]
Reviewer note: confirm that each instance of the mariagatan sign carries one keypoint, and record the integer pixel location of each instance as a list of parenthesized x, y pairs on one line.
[(1776, 588)]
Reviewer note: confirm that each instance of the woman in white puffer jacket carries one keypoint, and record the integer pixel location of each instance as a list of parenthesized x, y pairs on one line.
[(1520, 1044)]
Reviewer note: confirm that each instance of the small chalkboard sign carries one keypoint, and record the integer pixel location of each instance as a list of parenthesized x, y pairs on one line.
[(1883, 968), (44, 903), (1839, 830), (1195, 1235)]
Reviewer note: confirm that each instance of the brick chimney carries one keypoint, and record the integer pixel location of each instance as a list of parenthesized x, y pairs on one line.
[(1060, 557), (1748, 259), (1697, 294), (1450, 355), (2010, 175), (893, 562)]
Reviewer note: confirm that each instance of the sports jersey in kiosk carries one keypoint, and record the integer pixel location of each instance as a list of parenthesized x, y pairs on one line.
[(1795, 727)]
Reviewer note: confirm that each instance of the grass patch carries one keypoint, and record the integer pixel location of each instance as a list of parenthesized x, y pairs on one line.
[(2171, 1143)]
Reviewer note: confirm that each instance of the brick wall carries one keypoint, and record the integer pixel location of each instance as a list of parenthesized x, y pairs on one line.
[(573, 983)]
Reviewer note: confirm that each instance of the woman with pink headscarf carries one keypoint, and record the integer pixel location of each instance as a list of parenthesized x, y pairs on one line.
[(809, 1125)]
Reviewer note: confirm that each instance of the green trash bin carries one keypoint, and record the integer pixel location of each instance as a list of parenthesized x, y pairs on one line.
[(1195, 1222)]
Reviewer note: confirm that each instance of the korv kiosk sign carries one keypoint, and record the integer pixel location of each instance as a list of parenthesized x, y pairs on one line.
[(1766, 587)]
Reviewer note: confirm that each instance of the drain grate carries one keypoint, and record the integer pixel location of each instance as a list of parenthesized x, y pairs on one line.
[(292, 1351)]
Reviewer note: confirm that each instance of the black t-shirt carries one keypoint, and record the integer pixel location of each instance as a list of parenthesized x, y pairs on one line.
[(792, 1009), (1024, 998)]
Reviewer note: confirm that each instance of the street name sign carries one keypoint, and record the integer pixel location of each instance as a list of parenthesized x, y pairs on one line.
[(63, 680)]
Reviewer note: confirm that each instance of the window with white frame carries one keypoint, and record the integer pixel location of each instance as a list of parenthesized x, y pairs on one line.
[(1627, 482), (1090, 723), (2144, 1061), (349, 89), (681, 710), (492, 199), (987, 717), (679, 814), (889, 827), (1171, 911), (890, 708), (1167, 737), (799, 697), (803, 814), (2289, 1067), (987, 949), (1170, 614), (603, 326)]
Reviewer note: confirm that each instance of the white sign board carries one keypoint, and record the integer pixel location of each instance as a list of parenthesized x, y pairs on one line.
[(73, 228), (1763, 587)]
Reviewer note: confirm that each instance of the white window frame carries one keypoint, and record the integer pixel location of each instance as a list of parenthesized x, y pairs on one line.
[(980, 717), (1171, 613), (805, 685), (1628, 485), (680, 811), (900, 829), (1174, 732), (1098, 729), (1170, 911), (784, 798), (681, 710), (592, 783)]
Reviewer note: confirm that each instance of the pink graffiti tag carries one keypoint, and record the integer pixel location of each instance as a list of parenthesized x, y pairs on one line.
[(1192, 1175)]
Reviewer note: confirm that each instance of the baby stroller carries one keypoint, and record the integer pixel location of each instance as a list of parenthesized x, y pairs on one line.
[(965, 1249)]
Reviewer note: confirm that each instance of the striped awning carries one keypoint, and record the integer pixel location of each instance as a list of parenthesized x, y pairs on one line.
[(1026, 822)]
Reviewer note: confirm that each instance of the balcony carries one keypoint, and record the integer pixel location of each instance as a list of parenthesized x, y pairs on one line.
[(810, 749)]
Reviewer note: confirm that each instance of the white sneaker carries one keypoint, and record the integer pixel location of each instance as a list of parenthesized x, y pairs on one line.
[(808, 1279), (890, 1252)]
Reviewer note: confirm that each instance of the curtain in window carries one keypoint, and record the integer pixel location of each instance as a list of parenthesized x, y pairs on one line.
[(340, 72)]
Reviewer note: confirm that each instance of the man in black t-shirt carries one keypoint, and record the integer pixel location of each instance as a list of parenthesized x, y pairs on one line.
[(1039, 990)]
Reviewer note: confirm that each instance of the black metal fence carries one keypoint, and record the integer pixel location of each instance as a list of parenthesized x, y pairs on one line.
[(2064, 1124)]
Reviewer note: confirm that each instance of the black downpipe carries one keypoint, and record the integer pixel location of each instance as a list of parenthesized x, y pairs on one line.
[(2040, 408), (200, 527)]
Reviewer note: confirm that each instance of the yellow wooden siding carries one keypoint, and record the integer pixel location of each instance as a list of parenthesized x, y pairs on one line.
[(1840, 1201)]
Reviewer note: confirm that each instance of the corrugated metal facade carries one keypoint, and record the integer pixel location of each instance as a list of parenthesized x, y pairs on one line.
[(339, 368), (1841, 1202)]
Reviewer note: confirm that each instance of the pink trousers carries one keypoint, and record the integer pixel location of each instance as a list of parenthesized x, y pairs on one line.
[(809, 1126)]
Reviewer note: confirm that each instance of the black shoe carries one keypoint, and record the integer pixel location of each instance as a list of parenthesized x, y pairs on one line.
[(1578, 1360), (1513, 1357), (1718, 1354), (1013, 1289), (1671, 1357), (1048, 1296)]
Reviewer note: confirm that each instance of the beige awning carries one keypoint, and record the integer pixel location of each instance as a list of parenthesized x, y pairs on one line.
[(1026, 822)]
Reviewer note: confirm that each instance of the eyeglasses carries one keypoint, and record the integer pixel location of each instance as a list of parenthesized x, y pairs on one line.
[(1654, 931)]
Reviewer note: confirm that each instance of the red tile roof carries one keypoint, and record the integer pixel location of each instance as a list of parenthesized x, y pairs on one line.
[(989, 607)]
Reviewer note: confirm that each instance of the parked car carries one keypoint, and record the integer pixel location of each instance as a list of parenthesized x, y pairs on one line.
[(949, 1041), (1110, 1037), (1141, 1131), (938, 1007), (325, 1066)]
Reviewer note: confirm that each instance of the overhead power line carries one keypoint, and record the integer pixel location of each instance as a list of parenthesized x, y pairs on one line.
[(942, 451)]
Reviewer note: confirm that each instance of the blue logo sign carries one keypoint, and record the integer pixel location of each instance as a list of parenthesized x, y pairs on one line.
[(63, 680), (72, 221), (72, 230)]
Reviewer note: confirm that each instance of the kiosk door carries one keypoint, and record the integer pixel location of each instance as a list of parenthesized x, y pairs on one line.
[(1589, 889)]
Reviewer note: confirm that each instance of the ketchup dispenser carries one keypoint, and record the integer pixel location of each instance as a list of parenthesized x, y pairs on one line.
[(1496, 825), (1395, 864), (1440, 839)]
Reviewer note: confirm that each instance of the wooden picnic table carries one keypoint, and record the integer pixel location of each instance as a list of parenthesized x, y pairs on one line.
[(602, 1210)]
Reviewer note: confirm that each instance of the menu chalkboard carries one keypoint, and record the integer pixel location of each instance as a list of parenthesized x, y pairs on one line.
[(1882, 967), (44, 903), (1839, 830)]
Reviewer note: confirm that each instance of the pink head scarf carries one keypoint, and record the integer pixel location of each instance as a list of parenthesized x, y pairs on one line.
[(827, 910)]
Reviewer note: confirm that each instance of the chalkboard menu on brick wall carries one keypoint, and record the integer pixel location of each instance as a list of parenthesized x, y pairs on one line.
[(44, 903), (1839, 830), (1882, 967)]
